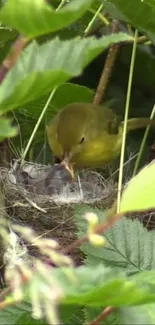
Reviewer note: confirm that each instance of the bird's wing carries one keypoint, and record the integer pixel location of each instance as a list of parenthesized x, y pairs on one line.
[(108, 121)]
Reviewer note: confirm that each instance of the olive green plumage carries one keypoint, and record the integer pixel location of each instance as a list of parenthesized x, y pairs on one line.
[(90, 135)]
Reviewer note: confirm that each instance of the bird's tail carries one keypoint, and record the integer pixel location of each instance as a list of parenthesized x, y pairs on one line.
[(139, 123)]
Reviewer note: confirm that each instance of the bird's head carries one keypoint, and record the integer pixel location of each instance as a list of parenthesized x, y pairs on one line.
[(73, 130)]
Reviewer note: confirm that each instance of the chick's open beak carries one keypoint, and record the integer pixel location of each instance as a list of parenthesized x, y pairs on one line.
[(67, 164)]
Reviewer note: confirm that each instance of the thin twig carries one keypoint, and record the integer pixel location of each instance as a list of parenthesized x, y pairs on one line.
[(102, 18), (120, 181), (107, 70), (106, 312), (37, 125), (92, 20), (33, 204), (12, 57), (62, 3), (98, 230)]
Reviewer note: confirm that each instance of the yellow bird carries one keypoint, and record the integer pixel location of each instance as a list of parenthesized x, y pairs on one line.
[(88, 135)]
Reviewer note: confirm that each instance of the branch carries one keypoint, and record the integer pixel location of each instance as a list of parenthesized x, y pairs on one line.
[(4, 293), (106, 312), (99, 230), (12, 57), (107, 70)]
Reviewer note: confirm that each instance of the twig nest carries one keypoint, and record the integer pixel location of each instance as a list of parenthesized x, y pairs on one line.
[(40, 197)]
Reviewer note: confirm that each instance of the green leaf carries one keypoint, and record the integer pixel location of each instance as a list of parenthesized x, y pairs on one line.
[(134, 315), (21, 313), (71, 314), (139, 193), (66, 94), (78, 27), (42, 68), (134, 12), (12, 314), (6, 35), (6, 129), (97, 286), (144, 314), (32, 77), (27, 319), (129, 246), (37, 17)]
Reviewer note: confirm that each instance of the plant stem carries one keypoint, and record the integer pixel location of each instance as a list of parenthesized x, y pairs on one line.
[(107, 70), (36, 126), (129, 28), (98, 230), (141, 39), (92, 20), (143, 143), (60, 5), (103, 19), (125, 120)]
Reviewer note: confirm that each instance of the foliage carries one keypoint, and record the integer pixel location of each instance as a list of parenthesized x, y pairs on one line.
[(38, 17), (53, 71), (46, 52), (134, 12), (129, 247), (119, 274), (137, 196)]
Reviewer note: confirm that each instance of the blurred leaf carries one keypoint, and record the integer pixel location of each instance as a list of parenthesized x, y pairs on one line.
[(27, 319), (78, 27), (98, 286), (129, 246), (71, 314), (144, 314), (137, 315), (42, 68), (92, 313), (21, 313), (139, 193), (6, 35), (12, 314), (6, 129), (134, 315), (134, 12), (37, 17)]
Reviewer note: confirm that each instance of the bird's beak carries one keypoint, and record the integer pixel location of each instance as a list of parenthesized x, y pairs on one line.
[(67, 164)]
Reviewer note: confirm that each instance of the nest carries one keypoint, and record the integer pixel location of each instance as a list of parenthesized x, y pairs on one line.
[(34, 197), (49, 210)]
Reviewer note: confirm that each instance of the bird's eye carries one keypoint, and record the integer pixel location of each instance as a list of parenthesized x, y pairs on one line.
[(82, 140)]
